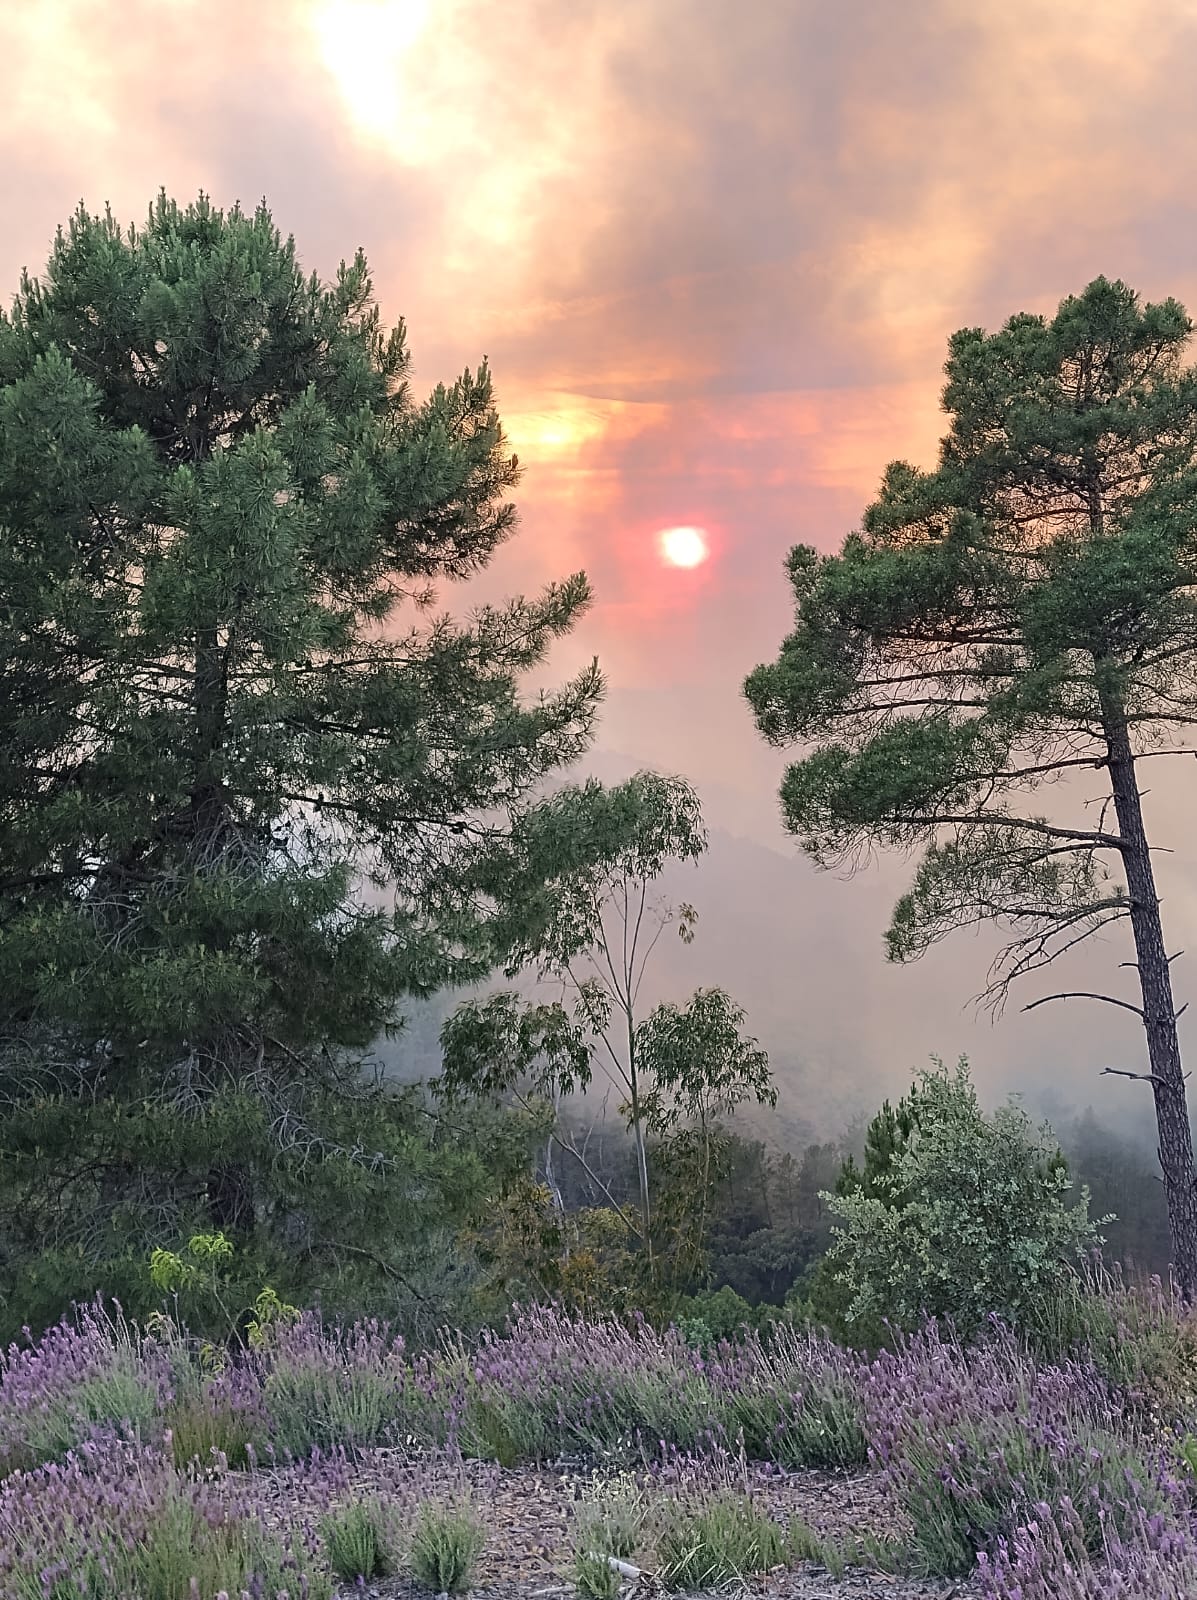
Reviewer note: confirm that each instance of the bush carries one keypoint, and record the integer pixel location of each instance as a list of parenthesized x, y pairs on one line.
[(445, 1546), (555, 1383), (705, 1319), (116, 1520), (356, 1538), (722, 1539), (958, 1216), (610, 1518), (974, 1440)]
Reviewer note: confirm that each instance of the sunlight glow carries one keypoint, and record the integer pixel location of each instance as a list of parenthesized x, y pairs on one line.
[(363, 43), (564, 429), (683, 547)]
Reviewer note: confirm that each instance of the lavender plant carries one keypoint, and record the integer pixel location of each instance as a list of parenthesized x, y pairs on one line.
[(1049, 1558), (89, 1371), (556, 1384), (115, 1519), (792, 1397), (326, 1387), (609, 1517), (446, 1543), (595, 1578), (971, 1439), (706, 1541), (356, 1538), (1140, 1335)]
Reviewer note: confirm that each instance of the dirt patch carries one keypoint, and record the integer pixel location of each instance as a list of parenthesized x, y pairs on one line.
[(528, 1514)]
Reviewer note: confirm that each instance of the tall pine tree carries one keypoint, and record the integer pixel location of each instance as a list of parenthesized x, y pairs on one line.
[(252, 791), (1025, 613)]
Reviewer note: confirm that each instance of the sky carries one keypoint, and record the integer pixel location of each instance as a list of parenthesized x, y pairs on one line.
[(713, 250)]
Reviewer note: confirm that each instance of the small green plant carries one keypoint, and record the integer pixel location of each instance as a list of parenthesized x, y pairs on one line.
[(201, 1429), (594, 1576), (445, 1546), (722, 1540), (804, 1544), (200, 1282), (355, 1538), (269, 1311), (610, 1517)]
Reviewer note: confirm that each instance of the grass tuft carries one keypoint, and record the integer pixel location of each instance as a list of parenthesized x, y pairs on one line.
[(445, 1546)]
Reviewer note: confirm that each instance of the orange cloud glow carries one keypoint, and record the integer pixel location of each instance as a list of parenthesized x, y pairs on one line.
[(714, 265)]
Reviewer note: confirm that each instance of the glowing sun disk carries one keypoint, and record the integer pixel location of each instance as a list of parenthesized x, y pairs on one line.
[(683, 547)]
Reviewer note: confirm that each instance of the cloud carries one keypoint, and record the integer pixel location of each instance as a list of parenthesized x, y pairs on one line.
[(714, 252)]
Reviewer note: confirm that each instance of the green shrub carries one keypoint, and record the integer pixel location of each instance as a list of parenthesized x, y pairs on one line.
[(610, 1517), (594, 1576), (445, 1546), (356, 1537), (960, 1216), (705, 1319), (721, 1540)]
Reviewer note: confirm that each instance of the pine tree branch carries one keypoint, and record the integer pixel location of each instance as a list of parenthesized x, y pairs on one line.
[(1085, 994)]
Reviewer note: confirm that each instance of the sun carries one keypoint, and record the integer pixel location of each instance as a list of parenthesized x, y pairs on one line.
[(683, 547)]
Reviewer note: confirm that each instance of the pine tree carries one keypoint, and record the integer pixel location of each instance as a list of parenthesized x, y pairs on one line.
[(253, 792), (1024, 613)]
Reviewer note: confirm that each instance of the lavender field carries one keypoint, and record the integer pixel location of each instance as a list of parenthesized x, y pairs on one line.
[(143, 1464)]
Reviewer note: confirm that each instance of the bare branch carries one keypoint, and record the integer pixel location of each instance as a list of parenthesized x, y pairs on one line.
[(1085, 994)]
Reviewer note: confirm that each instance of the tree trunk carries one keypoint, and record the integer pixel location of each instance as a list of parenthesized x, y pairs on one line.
[(638, 1128), (1159, 1010)]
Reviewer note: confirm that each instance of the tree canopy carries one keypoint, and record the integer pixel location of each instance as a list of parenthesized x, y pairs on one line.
[(254, 789), (1024, 613)]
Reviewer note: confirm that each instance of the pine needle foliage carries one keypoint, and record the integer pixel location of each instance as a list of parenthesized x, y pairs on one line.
[(254, 789), (1021, 617)]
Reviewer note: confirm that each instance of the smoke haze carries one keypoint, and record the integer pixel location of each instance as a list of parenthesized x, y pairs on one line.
[(714, 252)]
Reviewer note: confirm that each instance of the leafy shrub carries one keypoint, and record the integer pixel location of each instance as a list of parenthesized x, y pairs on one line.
[(445, 1545), (208, 1292), (355, 1536), (961, 1217), (722, 1539)]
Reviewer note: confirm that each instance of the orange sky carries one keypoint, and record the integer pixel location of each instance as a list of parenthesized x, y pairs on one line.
[(713, 248)]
